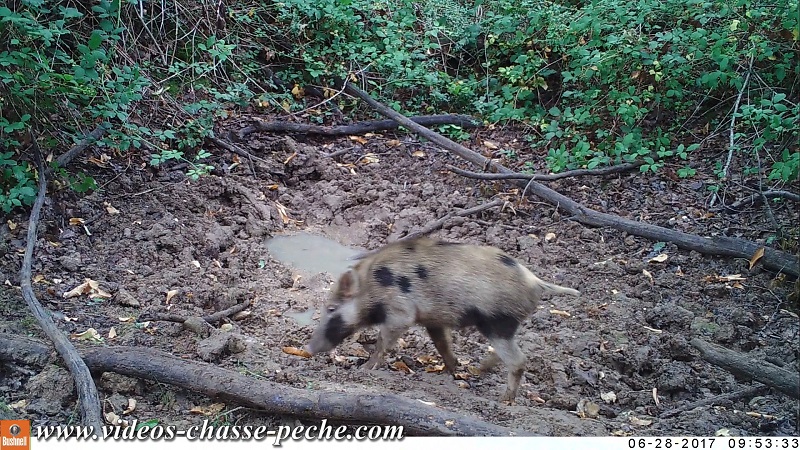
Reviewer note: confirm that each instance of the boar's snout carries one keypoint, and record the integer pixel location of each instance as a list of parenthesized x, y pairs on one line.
[(330, 332)]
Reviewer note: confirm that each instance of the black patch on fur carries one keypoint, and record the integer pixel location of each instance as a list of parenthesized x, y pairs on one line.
[(500, 325), (404, 283), (336, 331), (384, 276), (376, 314), (421, 272), (507, 260)]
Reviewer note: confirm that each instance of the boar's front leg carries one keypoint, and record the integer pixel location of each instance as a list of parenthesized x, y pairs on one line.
[(387, 338), (442, 339)]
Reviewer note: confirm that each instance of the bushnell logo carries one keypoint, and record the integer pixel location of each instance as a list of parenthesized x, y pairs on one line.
[(15, 435)]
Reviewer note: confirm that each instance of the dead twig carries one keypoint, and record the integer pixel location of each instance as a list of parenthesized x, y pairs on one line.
[(731, 140), (88, 400), (439, 223), (627, 167), (78, 148), (773, 259), (212, 318), (749, 392)]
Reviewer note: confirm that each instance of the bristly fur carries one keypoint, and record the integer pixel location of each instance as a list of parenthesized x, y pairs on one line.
[(441, 286)]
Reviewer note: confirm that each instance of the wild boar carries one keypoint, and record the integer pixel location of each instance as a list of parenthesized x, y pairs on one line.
[(439, 285)]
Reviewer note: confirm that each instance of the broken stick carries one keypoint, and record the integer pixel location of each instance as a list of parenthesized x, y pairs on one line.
[(88, 400), (773, 259), (439, 223)]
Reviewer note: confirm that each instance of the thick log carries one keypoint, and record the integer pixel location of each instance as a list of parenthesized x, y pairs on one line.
[(743, 365), (388, 409)]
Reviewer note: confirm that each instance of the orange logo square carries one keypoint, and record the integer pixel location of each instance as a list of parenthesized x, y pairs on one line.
[(15, 434)]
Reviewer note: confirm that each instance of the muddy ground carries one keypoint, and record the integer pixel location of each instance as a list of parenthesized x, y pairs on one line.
[(206, 241)]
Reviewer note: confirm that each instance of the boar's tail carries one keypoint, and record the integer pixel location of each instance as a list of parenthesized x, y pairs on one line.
[(551, 288)]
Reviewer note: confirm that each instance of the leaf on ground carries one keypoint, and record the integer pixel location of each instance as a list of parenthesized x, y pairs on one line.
[(491, 145), (756, 256), (655, 396), (435, 368), (608, 397), (462, 376), (370, 158), (474, 370), (209, 410), (110, 209), (427, 359), (659, 259), (549, 237), (131, 406), (22, 404), (76, 221), (89, 335), (418, 154), (561, 313), (640, 422), (648, 275), (11, 225), (170, 294), (400, 366), (112, 333), (298, 91), (88, 287), (358, 139), (393, 143), (296, 352), (113, 419)]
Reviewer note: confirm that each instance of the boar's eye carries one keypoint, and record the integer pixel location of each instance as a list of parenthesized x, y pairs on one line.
[(332, 308)]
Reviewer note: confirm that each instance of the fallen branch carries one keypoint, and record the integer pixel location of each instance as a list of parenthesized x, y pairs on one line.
[(439, 223), (275, 398), (758, 197), (357, 128), (78, 148), (720, 246), (627, 167), (88, 400), (717, 399), (744, 365), (212, 318)]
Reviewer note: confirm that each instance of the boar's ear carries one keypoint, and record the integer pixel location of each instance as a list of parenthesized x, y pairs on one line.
[(348, 285)]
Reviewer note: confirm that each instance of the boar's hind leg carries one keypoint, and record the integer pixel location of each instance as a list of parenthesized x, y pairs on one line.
[(508, 351), (387, 338), (442, 339)]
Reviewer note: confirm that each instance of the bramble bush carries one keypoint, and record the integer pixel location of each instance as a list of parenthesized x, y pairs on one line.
[(597, 83)]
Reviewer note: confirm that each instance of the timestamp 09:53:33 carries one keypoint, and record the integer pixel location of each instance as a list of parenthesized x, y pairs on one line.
[(712, 443)]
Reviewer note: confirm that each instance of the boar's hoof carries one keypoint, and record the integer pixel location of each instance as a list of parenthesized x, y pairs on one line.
[(372, 364), (507, 398)]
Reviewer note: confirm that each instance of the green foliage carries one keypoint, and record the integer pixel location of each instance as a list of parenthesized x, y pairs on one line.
[(17, 183)]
